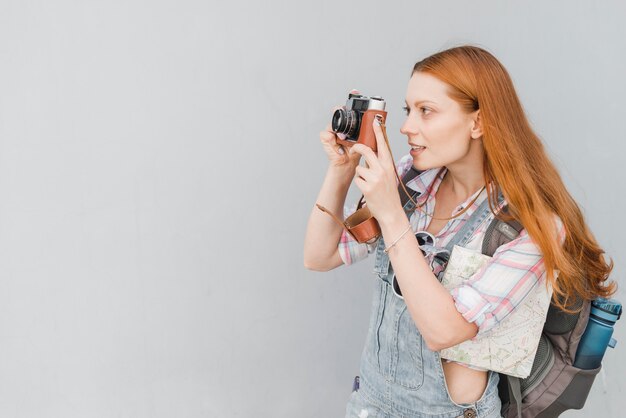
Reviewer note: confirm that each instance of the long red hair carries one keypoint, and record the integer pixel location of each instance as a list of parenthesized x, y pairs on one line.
[(517, 165)]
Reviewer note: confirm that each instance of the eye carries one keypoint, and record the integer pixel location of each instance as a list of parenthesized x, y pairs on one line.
[(423, 110)]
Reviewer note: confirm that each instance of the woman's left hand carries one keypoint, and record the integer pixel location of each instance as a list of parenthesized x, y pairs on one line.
[(377, 180)]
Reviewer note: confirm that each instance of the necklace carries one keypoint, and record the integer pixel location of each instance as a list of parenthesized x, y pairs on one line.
[(455, 216)]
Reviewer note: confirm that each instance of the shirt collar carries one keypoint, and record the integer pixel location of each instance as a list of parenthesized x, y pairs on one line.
[(430, 180), (427, 180)]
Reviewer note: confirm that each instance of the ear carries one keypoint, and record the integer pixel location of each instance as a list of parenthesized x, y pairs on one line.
[(477, 126)]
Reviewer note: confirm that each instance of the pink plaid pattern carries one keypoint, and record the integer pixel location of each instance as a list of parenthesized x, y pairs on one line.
[(500, 285)]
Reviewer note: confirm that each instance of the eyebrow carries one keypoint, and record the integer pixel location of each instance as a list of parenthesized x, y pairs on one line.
[(419, 102)]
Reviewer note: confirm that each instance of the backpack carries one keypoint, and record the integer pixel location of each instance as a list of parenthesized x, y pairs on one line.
[(554, 384)]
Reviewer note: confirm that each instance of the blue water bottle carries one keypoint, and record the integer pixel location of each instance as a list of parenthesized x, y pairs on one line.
[(598, 334)]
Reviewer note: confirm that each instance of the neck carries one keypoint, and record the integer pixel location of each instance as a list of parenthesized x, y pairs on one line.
[(465, 177)]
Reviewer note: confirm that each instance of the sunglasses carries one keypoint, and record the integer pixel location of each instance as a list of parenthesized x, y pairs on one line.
[(437, 258)]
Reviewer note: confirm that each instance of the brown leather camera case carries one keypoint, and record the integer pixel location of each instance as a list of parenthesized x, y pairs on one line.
[(362, 226)]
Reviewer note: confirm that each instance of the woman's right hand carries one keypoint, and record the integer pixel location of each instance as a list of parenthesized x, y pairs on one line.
[(337, 154)]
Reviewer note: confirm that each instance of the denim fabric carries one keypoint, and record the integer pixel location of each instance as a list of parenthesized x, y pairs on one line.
[(400, 376)]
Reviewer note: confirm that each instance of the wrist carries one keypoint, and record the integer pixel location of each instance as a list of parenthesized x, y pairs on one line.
[(394, 229), (393, 221), (340, 175), (399, 236)]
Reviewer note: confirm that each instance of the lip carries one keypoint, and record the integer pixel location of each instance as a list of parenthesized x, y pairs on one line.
[(414, 152)]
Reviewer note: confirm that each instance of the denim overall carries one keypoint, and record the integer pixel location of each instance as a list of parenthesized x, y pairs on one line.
[(399, 375)]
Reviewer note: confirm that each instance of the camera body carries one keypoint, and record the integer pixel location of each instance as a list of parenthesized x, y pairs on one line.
[(355, 121)]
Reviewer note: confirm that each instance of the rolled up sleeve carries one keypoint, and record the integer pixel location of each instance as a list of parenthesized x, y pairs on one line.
[(351, 251), (499, 286)]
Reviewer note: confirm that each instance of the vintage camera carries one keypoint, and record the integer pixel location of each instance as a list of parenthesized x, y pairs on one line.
[(355, 121)]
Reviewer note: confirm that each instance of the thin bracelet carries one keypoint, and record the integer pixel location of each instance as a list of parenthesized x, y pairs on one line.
[(398, 239)]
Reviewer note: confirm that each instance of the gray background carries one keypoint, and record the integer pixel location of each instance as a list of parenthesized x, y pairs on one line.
[(158, 162)]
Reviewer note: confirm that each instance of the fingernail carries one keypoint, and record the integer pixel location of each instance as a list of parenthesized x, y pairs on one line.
[(341, 136), (340, 150)]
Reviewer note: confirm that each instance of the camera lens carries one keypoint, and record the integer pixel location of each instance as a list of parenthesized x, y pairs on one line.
[(345, 122)]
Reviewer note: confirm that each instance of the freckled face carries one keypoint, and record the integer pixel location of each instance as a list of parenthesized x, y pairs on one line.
[(438, 130)]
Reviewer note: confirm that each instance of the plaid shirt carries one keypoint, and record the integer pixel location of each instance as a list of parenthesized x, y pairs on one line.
[(500, 285)]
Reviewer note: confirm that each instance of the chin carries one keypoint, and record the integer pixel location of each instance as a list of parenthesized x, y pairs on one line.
[(423, 165)]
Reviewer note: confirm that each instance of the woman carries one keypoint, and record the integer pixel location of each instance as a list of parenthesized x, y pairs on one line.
[(470, 138)]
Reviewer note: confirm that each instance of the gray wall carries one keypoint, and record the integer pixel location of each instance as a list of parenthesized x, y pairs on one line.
[(158, 162)]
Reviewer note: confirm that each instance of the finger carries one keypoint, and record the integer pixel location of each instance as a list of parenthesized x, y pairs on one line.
[(384, 154), (362, 185), (328, 137), (364, 173), (354, 157), (354, 91), (370, 158), (329, 128)]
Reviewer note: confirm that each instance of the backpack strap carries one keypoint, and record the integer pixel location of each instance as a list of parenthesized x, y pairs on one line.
[(410, 175), (500, 232), (515, 392)]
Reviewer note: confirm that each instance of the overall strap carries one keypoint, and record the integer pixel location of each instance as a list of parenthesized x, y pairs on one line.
[(472, 224)]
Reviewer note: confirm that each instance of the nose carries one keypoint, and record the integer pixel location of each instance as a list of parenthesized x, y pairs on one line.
[(410, 126)]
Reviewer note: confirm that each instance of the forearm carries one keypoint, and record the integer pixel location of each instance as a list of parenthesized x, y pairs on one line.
[(429, 303), (323, 233)]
